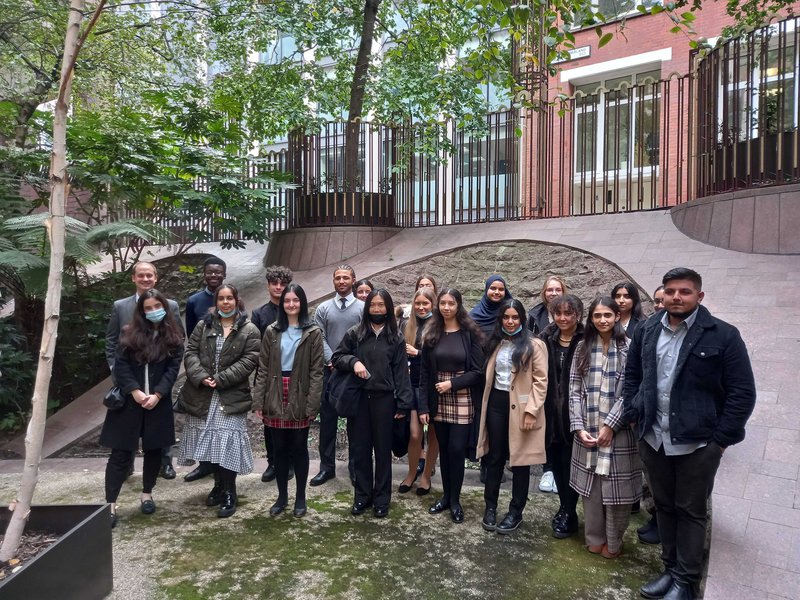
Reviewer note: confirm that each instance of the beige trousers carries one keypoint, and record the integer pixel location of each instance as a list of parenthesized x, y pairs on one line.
[(604, 524)]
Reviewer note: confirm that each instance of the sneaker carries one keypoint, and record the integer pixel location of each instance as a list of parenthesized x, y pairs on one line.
[(547, 483)]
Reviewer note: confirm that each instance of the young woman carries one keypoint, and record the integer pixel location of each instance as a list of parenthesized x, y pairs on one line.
[(562, 341), (626, 295), (221, 354), (539, 315), (362, 288), (374, 351), (146, 365), (412, 330), (606, 469), (451, 385), (288, 390), (512, 419), (427, 281), (495, 291)]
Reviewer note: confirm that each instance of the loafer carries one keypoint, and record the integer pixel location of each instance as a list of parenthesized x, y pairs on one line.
[(321, 477), (421, 491), (658, 587), (148, 507), (167, 472), (381, 512), (648, 533), (606, 553), (277, 508), (679, 591), (489, 522), (457, 513), (438, 507), (558, 517), (567, 527), (214, 497), (360, 507), (228, 505), (268, 475), (510, 522), (300, 510), (200, 471), (596, 549)]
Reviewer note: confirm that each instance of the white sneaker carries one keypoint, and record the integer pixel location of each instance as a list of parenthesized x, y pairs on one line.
[(547, 483)]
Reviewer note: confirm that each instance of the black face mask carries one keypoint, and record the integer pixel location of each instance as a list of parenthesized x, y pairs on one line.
[(377, 319)]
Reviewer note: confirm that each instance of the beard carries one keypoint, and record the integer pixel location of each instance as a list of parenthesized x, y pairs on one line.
[(680, 312)]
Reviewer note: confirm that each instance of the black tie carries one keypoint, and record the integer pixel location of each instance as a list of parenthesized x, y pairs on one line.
[(344, 303)]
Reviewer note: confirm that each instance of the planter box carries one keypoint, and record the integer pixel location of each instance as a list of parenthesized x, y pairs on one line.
[(77, 566)]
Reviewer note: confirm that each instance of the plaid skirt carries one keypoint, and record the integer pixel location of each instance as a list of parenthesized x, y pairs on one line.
[(286, 423), (454, 406)]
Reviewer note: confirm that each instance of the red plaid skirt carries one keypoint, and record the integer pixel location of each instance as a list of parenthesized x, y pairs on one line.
[(286, 423), (454, 406)]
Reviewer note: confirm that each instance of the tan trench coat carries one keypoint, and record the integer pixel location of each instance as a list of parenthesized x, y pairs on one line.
[(527, 394)]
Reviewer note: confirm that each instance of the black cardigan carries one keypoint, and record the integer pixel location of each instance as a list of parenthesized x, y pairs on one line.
[(556, 404)]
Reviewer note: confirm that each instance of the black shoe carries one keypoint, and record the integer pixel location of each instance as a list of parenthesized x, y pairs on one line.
[(277, 508), (300, 510), (457, 513), (200, 471), (489, 522), (148, 507), (269, 474), (214, 497), (679, 591), (228, 505), (321, 477), (648, 533), (380, 512), (421, 491), (438, 507), (567, 527), (509, 523), (359, 507), (558, 517), (167, 471), (656, 588)]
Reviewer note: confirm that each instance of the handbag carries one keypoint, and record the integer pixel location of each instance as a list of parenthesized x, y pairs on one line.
[(344, 392), (114, 400)]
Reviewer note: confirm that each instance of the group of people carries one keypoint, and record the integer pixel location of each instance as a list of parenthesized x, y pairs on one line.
[(595, 401)]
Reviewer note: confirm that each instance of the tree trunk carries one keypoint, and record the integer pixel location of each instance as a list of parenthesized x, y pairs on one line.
[(59, 183), (353, 126)]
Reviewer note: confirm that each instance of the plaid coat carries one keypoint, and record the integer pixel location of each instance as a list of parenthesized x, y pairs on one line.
[(623, 485)]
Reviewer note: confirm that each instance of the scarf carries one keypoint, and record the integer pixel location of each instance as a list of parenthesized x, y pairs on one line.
[(485, 313), (600, 384)]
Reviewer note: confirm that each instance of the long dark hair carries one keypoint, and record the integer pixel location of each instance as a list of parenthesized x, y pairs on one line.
[(590, 333), (239, 304), (149, 341), (523, 347), (633, 291), (365, 327), (435, 328), (282, 322)]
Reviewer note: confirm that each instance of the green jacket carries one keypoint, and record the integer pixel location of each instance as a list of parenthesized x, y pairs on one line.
[(237, 361), (305, 390)]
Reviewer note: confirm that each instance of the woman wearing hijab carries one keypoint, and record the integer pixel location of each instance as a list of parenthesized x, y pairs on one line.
[(495, 292)]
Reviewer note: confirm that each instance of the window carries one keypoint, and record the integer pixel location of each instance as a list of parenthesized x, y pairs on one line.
[(284, 48), (613, 9)]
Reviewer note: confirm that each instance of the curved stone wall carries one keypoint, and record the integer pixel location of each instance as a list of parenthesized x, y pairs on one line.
[(759, 221)]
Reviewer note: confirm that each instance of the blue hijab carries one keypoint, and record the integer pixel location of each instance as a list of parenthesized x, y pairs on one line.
[(485, 313)]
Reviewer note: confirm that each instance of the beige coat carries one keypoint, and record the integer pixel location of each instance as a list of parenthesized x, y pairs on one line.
[(527, 394)]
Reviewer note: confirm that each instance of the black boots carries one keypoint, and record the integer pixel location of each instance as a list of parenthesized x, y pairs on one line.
[(228, 501), (215, 495)]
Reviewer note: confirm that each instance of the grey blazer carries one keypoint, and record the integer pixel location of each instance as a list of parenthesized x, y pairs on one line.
[(121, 315)]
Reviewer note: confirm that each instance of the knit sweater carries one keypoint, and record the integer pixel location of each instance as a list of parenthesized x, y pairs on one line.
[(334, 322)]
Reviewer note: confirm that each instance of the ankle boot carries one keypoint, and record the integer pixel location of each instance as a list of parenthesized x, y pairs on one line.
[(215, 495), (228, 505)]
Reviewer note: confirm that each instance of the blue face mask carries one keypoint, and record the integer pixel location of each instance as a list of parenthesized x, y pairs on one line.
[(428, 316), (225, 315), (513, 333), (156, 316)]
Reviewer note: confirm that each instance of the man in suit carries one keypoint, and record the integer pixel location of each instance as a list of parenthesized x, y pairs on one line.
[(144, 277), (689, 390)]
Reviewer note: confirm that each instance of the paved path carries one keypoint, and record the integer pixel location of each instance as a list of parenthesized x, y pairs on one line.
[(755, 551)]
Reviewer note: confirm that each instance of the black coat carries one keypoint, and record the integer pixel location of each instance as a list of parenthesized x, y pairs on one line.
[(538, 318), (156, 427), (556, 404), (713, 392)]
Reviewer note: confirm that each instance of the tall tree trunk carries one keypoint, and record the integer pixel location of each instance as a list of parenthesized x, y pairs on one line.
[(58, 193), (353, 125)]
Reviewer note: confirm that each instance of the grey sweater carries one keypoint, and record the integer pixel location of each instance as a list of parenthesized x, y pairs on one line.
[(334, 323)]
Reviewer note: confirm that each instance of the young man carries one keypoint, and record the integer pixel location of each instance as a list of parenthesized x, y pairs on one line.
[(144, 277), (689, 390), (334, 317), (198, 304), (277, 279)]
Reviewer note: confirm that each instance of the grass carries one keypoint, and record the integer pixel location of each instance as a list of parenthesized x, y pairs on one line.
[(191, 554)]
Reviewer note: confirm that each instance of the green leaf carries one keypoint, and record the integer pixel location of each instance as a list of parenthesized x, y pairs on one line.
[(656, 8), (605, 39)]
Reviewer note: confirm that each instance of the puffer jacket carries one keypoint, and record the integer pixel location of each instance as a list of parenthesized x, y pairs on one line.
[(305, 390), (238, 359)]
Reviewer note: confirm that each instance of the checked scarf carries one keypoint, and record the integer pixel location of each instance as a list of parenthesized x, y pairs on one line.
[(600, 384)]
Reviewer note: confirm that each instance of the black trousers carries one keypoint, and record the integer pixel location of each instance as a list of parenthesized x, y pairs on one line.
[(681, 486), (561, 457), (119, 464), (328, 420), (497, 415), (371, 429), (453, 441), (269, 445), (290, 449)]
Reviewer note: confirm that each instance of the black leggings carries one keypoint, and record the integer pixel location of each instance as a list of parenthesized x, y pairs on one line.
[(290, 447), (453, 440), (119, 464), (561, 457)]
